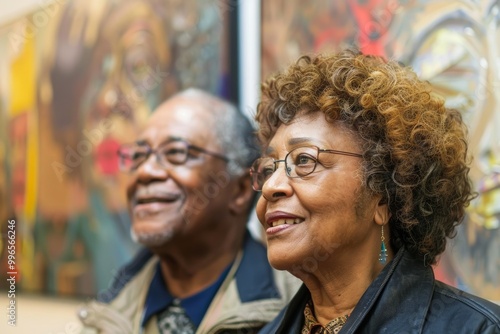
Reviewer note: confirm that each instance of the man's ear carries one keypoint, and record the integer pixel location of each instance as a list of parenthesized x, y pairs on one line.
[(382, 213), (242, 195)]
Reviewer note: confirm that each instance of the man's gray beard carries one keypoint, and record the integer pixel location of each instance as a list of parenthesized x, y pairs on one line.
[(151, 239)]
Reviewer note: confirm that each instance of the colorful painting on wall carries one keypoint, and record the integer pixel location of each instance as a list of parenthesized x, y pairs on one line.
[(455, 45), (77, 79)]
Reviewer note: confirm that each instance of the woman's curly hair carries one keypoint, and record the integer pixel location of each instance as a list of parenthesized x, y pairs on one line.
[(414, 148)]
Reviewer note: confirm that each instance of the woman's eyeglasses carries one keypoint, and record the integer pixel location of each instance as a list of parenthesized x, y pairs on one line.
[(175, 152), (299, 162)]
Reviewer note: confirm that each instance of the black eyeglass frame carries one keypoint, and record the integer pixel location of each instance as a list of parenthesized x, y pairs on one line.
[(159, 159), (255, 175)]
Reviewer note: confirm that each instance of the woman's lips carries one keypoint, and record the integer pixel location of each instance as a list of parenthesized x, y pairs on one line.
[(278, 221), (277, 229), (284, 221)]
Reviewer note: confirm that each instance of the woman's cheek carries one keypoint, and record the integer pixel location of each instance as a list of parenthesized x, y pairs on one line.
[(261, 209)]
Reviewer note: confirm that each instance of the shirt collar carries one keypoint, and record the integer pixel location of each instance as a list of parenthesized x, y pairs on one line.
[(159, 298), (312, 325)]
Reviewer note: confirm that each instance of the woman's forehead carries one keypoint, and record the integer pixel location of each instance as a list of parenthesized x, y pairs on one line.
[(312, 129)]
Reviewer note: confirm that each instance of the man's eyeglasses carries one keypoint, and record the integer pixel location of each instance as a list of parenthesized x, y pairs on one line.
[(175, 152), (299, 162)]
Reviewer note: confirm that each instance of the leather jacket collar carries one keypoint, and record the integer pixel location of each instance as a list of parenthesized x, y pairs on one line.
[(404, 298)]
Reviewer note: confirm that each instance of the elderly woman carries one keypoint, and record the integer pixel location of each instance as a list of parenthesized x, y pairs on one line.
[(364, 176)]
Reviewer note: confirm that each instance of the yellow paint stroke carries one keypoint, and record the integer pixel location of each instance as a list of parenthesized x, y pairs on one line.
[(23, 97)]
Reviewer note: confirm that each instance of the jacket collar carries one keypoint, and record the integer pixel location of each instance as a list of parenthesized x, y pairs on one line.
[(404, 286), (254, 278)]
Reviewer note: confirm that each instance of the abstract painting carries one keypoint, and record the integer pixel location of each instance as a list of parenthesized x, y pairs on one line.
[(455, 45), (77, 79)]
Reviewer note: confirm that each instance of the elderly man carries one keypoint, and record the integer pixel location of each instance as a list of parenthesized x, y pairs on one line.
[(190, 198)]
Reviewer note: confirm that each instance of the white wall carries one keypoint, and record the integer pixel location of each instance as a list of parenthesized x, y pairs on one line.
[(10, 10), (250, 52)]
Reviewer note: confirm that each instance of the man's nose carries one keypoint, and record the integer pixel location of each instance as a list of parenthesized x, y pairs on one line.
[(151, 169)]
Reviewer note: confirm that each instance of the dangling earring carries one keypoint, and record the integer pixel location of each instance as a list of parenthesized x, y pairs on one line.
[(382, 256)]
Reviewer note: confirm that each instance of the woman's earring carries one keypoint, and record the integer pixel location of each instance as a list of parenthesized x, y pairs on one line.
[(382, 256)]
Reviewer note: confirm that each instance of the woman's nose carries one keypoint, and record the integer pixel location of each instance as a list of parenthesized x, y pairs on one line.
[(278, 185)]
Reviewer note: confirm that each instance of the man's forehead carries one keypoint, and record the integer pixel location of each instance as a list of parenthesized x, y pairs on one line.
[(182, 109), (180, 118)]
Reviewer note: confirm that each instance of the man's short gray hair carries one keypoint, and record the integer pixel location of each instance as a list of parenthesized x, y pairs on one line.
[(233, 130)]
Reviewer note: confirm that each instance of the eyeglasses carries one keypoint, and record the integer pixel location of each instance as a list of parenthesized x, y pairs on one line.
[(175, 152), (299, 162)]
